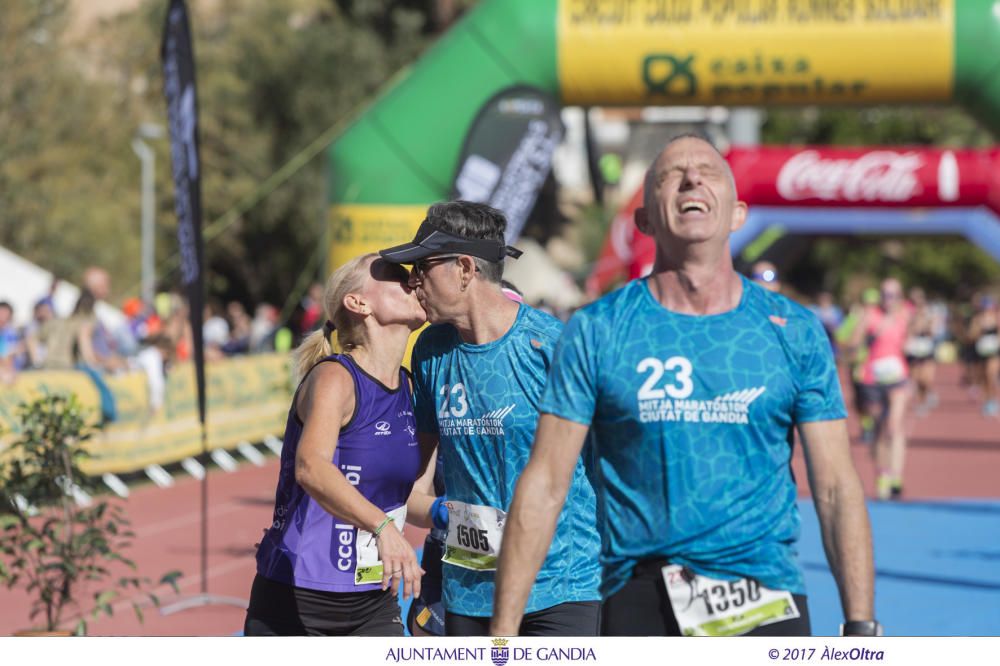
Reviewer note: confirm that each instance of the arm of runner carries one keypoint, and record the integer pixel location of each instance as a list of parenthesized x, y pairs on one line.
[(325, 404), (860, 330), (418, 506), (843, 518), (531, 522)]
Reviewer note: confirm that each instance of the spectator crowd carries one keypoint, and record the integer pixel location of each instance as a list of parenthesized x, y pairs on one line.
[(146, 336)]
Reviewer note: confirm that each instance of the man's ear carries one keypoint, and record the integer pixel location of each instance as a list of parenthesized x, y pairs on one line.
[(468, 266), (642, 221), (740, 211)]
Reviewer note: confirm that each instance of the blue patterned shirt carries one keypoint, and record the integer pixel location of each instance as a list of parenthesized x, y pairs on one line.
[(482, 403), (691, 419)]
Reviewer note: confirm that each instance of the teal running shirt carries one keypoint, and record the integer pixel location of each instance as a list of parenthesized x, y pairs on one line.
[(482, 403), (692, 419)]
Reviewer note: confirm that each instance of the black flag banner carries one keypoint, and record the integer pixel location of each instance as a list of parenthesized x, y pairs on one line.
[(182, 111), (507, 153), (182, 115)]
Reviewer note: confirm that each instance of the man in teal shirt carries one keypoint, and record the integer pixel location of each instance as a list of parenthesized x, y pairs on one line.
[(478, 374), (691, 382)]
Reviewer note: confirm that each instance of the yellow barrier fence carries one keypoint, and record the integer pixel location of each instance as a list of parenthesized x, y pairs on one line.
[(247, 399)]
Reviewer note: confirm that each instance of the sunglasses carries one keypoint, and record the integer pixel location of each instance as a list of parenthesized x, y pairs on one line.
[(421, 266)]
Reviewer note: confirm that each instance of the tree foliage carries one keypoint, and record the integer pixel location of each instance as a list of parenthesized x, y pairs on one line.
[(53, 548), (272, 75), (61, 197)]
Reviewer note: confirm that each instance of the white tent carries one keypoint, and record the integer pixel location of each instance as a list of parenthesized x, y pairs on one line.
[(22, 284)]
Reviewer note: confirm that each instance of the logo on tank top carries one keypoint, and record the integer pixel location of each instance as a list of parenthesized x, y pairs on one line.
[(666, 395), (383, 429)]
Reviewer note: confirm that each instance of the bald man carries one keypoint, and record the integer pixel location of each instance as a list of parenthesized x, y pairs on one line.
[(691, 408)]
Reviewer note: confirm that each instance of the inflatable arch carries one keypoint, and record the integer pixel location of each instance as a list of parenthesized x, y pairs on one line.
[(400, 154)]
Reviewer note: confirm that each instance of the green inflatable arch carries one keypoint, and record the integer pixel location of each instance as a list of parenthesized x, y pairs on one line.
[(401, 153)]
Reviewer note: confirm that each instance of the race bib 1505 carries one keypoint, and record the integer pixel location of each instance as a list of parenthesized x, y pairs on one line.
[(474, 534)]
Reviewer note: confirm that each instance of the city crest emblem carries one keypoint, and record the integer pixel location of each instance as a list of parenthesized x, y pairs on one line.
[(500, 652)]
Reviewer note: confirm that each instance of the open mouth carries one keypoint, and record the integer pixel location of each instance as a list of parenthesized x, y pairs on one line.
[(693, 206)]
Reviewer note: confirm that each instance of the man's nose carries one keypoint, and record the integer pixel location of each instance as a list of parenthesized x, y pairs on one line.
[(414, 279), (690, 178)]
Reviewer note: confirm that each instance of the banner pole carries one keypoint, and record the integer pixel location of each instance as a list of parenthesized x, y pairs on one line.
[(177, 53)]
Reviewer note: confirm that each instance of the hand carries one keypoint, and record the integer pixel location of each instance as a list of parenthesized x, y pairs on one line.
[(399, 563)]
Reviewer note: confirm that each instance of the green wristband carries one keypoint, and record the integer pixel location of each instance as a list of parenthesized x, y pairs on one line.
[(378, 530)]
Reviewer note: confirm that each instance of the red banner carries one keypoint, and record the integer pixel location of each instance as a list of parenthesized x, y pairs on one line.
[(823, 176), (910, 177)]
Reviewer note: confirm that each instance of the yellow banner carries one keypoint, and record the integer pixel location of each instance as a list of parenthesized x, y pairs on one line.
[(360, 228), (248, 398), (755, 52), (30, 385)]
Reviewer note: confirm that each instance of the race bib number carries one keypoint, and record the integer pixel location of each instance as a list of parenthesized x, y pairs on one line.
[(474, 534), (369, 567), (889, 370), (988, 345), (921, 347), (705, 606)]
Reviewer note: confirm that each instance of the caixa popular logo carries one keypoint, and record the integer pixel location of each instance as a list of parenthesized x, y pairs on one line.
[(382, 428), (669, 75), (500, 652)]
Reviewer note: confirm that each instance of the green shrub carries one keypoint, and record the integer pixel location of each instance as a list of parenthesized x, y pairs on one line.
[(50, 546)]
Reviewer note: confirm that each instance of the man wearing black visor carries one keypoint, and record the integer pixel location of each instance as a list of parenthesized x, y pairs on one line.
[(479, 371)]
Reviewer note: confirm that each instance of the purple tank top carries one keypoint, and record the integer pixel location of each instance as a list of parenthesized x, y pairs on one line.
[(377, 451)]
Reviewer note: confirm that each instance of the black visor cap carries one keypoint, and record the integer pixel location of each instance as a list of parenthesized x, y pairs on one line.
[(430, 241)]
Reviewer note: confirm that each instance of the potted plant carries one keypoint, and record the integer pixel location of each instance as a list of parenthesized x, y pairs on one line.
[(55, 549)]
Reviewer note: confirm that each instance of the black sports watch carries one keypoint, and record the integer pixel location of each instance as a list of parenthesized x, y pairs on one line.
[(861, 628)]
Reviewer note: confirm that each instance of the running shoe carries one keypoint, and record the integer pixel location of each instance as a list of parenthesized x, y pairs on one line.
[(883, 486), (896, 489), (991, 408)]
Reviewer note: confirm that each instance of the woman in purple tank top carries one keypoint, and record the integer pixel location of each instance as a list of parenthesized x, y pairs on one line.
[(334, 557)]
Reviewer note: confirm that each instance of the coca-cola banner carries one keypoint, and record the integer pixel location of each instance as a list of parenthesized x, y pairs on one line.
[(867, 176), (821, 176)]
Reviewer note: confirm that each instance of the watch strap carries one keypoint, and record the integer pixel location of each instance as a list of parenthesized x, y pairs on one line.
[(861, 628)]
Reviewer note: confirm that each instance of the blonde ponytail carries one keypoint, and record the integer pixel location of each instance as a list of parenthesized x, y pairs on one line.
[(350, 332), (315, 347)]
